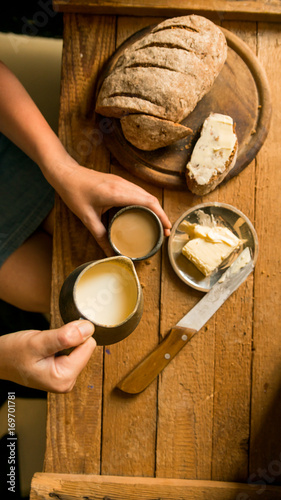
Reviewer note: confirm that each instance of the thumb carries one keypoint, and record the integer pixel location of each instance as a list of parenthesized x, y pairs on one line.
[(74, 363), (72, 334)]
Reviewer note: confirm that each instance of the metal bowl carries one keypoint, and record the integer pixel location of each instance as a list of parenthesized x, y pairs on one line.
[(224, 215)]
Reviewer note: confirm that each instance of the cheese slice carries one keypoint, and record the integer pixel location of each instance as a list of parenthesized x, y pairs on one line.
[(208, 246)]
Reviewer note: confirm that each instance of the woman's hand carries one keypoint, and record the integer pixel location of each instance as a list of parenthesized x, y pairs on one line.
[(29, 357), (89, 194)]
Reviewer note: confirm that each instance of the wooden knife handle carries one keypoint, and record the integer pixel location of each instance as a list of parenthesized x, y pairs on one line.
[(148, 369)]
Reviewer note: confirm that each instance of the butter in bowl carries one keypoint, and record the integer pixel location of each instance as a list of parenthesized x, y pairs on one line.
[(205, 241), (208, 246)]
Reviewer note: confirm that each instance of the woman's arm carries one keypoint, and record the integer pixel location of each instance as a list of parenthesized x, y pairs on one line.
[(22, 122), (87, 193)]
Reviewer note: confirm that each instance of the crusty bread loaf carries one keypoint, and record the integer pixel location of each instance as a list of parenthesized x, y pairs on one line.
[(165, 73), (213, 156), (149, 133)]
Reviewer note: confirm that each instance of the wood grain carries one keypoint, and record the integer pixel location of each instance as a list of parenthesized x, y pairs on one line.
[(185, 393), (80, 487), (265, 458), (207, 442), (241, 90), (214, 412), (233, 337), (69, 448), (150, 367), (131, 450), (218, 9)]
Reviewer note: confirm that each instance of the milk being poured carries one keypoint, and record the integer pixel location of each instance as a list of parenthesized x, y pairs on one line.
[(107, 293)]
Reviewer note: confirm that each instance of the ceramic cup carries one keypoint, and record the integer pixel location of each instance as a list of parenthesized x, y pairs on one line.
[(136, 231), (106, 292)]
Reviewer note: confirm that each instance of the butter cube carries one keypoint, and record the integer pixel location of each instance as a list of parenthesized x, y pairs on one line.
[(208, 247)]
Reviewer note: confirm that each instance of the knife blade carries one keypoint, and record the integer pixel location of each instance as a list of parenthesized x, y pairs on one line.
[(148, 369)]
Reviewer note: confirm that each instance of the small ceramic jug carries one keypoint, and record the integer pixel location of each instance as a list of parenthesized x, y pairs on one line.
[(106, 292)]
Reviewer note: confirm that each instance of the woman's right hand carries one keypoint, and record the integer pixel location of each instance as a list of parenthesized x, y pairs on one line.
[(89, 194), (29, 357)]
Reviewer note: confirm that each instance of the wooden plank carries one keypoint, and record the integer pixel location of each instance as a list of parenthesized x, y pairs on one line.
[(205, 392), (219, 9), (233, 336), (79, 487), (74, 420), (129, 424), (265, 458), (185, 394)]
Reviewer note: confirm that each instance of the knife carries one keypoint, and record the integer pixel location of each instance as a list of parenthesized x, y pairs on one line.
[(148, 369)]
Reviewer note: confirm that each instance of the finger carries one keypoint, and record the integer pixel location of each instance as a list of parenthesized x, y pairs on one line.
[(100, 234), (140, 196), (154, 205), (72, 334), (70, 366)]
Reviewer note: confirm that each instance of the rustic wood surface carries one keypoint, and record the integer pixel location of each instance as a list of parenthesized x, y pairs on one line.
[(214, 412), (148, 369), (241, 90), (218, 9), (87, 487)]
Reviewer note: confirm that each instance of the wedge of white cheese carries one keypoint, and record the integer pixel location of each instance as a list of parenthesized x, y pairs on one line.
[(208, 247)]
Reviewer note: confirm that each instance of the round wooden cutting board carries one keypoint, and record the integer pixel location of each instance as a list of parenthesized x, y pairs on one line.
[(241, 90)]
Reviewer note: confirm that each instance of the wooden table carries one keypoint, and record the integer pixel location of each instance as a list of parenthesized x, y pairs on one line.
[(210, 423)]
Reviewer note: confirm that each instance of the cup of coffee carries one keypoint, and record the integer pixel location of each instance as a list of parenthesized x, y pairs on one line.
[(106, 292), (136, 232)]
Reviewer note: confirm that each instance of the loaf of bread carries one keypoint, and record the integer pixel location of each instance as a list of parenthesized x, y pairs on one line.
[(214, 154), (164, 74)]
